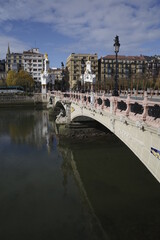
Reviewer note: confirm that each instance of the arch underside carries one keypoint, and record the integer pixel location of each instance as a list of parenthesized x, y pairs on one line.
[(133, 137), (59, 107)]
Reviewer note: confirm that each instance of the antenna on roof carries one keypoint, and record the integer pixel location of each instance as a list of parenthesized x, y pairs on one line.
[(35, 43)]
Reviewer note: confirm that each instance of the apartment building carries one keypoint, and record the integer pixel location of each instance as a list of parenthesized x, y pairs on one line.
[(2, 70), (126, 65), (33, 63), (129, 67), (76, 66), (57, 73), (13, 61)]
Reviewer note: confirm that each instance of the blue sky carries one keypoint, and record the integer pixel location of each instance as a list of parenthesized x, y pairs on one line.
[(60, 27)]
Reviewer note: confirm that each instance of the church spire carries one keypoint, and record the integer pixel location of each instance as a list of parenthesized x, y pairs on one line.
[(8, 52)]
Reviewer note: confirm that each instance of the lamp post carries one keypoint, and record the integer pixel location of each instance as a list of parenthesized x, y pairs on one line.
[(56, 85), (62, 81), (116, 49)]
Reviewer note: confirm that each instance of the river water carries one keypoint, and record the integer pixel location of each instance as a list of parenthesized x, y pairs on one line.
[(95, 189)]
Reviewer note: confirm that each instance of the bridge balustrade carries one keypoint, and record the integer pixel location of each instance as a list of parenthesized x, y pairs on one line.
[(154, 111), (122, 106), (99, 100), (143, 110), (106, 103), (137, 108), (135, 121)]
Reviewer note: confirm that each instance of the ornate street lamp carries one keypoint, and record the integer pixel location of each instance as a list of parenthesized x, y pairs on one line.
[(82, 65), (62, 74), (116, 49)]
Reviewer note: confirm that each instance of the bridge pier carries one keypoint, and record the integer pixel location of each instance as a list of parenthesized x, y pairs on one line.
[(67, 118)]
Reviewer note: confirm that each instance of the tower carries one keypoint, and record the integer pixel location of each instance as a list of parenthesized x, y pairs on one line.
[(8, 52)]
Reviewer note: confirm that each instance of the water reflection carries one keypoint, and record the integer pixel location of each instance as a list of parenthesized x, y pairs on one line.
[(31, 127), (39, 198), (69, 167), (123, 193), (90, 190)]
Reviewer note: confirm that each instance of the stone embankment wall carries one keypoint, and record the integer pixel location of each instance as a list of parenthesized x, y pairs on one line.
[(19, 100)]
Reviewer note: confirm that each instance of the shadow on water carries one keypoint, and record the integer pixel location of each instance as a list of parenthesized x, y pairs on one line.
[(69, 166), (123, 193)]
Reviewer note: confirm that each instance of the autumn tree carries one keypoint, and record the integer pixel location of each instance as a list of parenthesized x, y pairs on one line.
[(21, 78), (25, 80), (2, 82), (11, 78)]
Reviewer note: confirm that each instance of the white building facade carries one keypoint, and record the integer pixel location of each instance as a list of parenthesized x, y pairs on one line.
[(33, 63)]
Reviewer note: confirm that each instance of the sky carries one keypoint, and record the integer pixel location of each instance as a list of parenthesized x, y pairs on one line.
[(62, 27)]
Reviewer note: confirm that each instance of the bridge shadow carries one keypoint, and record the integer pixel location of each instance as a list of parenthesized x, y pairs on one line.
[(120, 190)]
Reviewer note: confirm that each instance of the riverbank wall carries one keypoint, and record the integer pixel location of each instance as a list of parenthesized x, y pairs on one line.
[(36, 101)]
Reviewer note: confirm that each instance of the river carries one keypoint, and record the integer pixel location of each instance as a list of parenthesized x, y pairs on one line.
[(91, 189)]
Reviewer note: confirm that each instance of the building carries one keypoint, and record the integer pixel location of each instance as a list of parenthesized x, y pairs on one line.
[(76, 66), (57, 73), (13, 61), (2, 65), (33, 62), (2, 70), (129, 67)]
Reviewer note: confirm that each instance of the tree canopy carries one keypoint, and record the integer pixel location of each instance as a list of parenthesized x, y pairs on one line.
[(21, 78)]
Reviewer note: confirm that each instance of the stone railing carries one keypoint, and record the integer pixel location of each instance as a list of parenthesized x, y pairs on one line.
[(141, 111)]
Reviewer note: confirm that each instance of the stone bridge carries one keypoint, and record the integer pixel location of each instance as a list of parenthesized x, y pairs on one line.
[(135, 122)]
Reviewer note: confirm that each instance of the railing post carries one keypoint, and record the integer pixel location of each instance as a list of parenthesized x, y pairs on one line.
[(82, 98), (103, 97), (113, 105), (96, 102), (78, 96), (145, 106), (87, 99), (128, 105)]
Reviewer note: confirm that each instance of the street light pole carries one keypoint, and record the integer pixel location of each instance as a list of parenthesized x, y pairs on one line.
[(116, 46), (62, 81)]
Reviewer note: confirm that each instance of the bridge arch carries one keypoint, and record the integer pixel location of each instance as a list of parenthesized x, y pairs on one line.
[(139, 130), (138, 140), (59, 108)]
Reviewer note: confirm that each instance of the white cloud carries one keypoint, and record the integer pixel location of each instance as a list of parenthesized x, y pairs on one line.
[(16, 46), (92, 23)]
